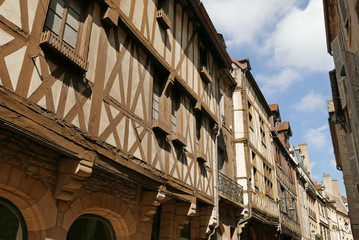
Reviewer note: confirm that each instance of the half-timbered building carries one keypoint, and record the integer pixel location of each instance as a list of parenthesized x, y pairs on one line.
[(255, 169), (286, 177), (109, 119)]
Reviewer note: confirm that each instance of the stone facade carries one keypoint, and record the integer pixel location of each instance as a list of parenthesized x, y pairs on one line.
[(342, 32)]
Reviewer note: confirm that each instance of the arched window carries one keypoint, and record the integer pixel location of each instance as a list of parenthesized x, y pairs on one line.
[(12, 223), (91, 227)]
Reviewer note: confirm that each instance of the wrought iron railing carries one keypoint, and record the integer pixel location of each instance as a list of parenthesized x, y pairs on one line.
[(229, 189)]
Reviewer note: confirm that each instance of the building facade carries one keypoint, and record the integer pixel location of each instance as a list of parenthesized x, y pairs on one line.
[(254, 156), (342, 32), (286, 177), (109, 120)]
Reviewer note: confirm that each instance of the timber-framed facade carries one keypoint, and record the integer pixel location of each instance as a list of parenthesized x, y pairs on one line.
[(114, 108)]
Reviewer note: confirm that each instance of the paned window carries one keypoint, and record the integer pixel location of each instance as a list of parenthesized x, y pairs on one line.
[(283, 200), (156, 95), (63, 19), (250, 115)]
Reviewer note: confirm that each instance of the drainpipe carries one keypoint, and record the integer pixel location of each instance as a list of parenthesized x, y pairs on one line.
[(249, 155), (217, 166)]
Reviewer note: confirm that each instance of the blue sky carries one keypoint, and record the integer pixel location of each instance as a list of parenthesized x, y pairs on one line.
[(285, 43)]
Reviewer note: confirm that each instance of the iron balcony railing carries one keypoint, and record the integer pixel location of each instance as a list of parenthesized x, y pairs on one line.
[(229, 189)]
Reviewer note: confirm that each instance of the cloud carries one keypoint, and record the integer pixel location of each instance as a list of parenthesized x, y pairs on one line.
[(246, 21), (278, 82), (298, 40), (317, 137), (315, 177), (311, 102)]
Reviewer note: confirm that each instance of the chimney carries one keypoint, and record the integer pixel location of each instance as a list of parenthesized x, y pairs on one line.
[(304, 150), (335, 186), (327, 182)]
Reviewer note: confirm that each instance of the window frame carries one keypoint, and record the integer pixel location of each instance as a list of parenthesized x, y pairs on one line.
[(21, 220)]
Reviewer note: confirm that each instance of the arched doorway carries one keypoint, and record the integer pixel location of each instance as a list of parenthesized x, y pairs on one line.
[(91, 227), (12, 223)]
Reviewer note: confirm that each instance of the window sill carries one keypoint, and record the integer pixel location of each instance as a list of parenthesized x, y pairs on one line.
[(201, 157), (50, 40), (163, 20), (178, 139), (158, 125), (205, 75)]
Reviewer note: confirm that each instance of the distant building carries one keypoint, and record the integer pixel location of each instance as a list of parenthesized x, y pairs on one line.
[(254, 156), (286, 177), (340, 224), (342, 32)]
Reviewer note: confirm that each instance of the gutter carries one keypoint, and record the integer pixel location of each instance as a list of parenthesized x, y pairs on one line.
[(217, 167)]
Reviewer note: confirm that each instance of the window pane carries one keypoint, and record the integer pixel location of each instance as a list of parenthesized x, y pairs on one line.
[(70, 36), (57, 6), (53, 22), (73, 19)]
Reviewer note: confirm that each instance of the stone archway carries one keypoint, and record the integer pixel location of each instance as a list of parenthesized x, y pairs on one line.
[(34, 201), (107, 206)]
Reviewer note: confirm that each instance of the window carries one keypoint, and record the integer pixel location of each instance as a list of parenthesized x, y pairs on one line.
[(294, 210), (63, 18), (262, 131), (12, 223), (63, 29), (256, 177), (268, 180), (277, 155), (221, 109), (198, 131), (250, 115), (203, 57), (156, 95), (283, 199), (91, 227), (175, 97), (290, 173)]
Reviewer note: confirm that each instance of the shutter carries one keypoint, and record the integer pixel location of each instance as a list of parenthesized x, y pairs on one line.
[(339, 68), (353, 81)]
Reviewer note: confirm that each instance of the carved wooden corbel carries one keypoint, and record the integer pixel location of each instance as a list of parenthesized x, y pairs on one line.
[(70, 177), (150, 201)]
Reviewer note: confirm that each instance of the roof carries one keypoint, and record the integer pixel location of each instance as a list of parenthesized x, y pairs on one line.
[(284, 126), (209, 28), (245, 64), (339, 203)]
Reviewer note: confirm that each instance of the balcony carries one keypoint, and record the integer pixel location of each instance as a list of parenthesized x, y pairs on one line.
[(229, 189), (51, 40)]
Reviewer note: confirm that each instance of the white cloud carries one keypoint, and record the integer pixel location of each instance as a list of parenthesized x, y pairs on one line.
[(245, 21), (299, 39), (278, 82), (311, 102), (317, 137)]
